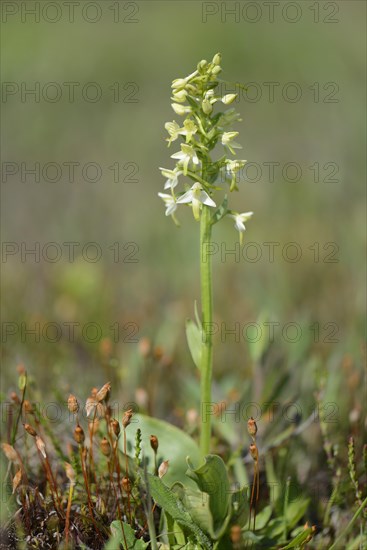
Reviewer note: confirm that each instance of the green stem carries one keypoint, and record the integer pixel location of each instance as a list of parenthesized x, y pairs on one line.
[(349, 526), (207, 319)]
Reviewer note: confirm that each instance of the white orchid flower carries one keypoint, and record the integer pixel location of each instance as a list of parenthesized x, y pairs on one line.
[(196, 196), (232, 167), (239, 222), (169, 202), (172, 177), (186, 155), (173, 130), (227, 138), (188, 130)]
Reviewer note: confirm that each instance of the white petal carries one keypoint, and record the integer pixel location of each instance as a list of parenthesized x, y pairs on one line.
[(171, 183), (187, 197), (171, 208), (164, 196), (246, 216), (179, 155), (205, 199), (239, 225)]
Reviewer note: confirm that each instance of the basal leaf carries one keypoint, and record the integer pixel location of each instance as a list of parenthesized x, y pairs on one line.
[(117, 538), (171, 504), (212, 478), (174, 445)]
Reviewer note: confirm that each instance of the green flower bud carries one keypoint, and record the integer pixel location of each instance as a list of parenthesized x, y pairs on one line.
[(207, 107), (228, 98), (179, 96), (216, 70), (179, 109), (179, 83), (202, 65), (217, 59)]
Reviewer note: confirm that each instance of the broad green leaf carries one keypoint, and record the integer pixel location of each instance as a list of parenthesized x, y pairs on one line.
[(212, 478), (117, 538), (197, 504), (171, 504), (274, 528), (174, 445), (194, 341), (263, 517), (296, 510)]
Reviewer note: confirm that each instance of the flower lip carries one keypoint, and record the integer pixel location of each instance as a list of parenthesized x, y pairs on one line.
[(240, 220), (196, 196)]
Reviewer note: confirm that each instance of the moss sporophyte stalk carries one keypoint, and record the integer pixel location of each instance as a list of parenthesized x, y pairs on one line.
[(195, 180)]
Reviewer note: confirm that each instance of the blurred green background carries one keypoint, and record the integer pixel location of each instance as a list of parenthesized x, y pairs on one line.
[(156, 294)]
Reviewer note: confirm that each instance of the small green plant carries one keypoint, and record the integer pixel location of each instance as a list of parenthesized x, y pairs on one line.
[(127, 481), (203, 129)]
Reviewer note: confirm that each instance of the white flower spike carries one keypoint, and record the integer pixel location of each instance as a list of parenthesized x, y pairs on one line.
[(196, 196), (169, 202), (239, 222), (186, 155)]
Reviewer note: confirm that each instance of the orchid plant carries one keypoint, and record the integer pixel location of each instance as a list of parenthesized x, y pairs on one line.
[(195, 98)]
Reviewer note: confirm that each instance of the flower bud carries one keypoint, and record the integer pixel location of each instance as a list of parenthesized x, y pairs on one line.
[(179, 83), (10, 453), (179, 96), (217, 59), (163, 468), (228, 98), (252, 427), (70, 473), (202, 65), (14, 397), (178, 109), (30, 430), (127, 418), (16, 480), (126, 485), (105, 447), (206, 106), (41, 446), (103, 392), (73, 404), (79, 435), (27, 407), (115, 427), (254, 452), (154, 442), (216, 70)]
